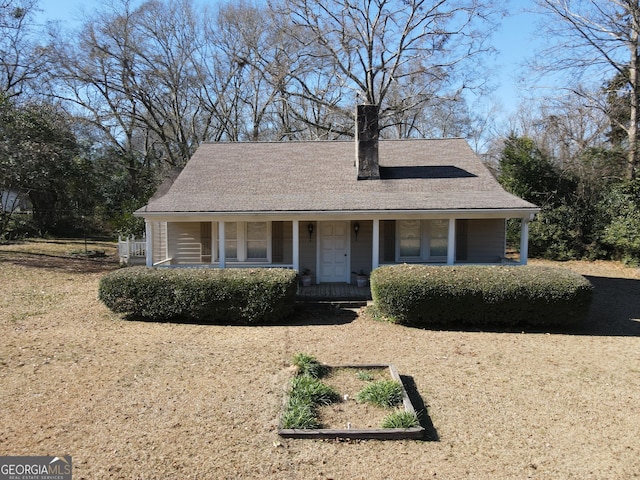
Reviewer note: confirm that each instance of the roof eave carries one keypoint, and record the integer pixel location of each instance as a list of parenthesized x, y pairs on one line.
[(525, 213)]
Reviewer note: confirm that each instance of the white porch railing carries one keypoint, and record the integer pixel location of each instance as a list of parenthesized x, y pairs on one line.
[(131, 248)]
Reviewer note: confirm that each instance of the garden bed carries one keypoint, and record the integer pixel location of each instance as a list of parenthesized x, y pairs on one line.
[(352, 418)]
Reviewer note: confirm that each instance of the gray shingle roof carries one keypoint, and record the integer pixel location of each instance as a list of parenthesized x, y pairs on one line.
[(442, 174)]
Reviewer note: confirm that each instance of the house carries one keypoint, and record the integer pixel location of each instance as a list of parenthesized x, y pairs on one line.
[(333, 207), (13, 201)]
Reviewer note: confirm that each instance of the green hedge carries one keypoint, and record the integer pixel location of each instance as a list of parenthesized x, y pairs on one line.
[(480, 295), (203, 295)]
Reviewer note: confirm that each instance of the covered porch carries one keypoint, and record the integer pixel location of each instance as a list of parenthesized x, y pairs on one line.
[(332, 248)]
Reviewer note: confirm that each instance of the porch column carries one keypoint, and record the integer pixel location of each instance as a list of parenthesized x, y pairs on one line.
[(375, 245), (222, 259), (451, 242), (296, 245), (148, 231), (524, 241)]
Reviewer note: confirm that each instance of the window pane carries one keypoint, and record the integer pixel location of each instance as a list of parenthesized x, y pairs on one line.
[(230, 250), (230, 230), (230, 240), (439, 236), (410, 238), (410, 248), (256, 250), (257, 240), (256, 230)]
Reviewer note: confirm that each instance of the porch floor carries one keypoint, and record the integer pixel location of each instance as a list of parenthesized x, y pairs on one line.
[(334, 292)]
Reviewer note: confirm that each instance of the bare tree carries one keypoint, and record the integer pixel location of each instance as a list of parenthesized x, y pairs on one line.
[(21, 57), (93, 75), (249, 48), (400, 54), (132, 73), (165, 77), (562, 128), (596, 40)]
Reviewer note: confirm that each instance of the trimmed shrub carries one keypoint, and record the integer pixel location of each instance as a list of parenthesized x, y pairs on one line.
[(203, 295), (422, 295)]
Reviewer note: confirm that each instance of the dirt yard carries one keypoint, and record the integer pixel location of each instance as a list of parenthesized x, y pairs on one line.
[(137, 400)]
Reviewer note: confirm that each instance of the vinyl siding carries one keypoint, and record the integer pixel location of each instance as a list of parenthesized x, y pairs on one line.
[(361, 247), (308, 248), (184, 238), (159, 238), (485, 240), (387, 241), (282, 242)]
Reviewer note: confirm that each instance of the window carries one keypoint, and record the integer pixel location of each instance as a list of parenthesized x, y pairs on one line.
[(257, 240), (231, 240), (438, 238), (422, 240), (247, 241), (409, 236)]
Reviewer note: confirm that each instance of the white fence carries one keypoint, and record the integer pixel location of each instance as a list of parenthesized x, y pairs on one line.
[(132, 250)]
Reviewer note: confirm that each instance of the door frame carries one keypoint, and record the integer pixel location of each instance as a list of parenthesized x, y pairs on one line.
[(347, 224)]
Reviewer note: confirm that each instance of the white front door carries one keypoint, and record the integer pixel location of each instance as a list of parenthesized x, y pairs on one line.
[(334, 259)]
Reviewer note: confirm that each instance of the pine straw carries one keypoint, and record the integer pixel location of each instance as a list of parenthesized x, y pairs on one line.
[(162, 401)]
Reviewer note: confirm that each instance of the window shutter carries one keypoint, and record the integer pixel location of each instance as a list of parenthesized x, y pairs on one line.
[(277, 242), (205, 242), (389, 254), (462, 236)]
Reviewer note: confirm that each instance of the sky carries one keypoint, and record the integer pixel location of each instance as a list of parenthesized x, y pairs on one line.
[(515, 40)]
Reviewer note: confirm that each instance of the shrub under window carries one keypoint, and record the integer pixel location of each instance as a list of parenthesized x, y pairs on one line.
[(228, 296), (435, 295)]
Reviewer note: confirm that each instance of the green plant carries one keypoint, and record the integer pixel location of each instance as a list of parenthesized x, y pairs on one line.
[(401, 419), (622, 233), (299, 414), (310, 390), (364, 375), (306, 395), (383, 393), (308, 365), (231, 296), (512, 295)]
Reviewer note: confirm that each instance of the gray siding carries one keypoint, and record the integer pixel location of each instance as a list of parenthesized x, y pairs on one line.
[(485, 240), (361, 247), (387, 253), (282, 243), (308, 248)]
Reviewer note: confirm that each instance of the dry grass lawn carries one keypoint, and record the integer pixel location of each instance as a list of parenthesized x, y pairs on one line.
[(137, 400)]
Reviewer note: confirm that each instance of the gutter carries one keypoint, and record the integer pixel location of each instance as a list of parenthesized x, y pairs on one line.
[(525, 213)]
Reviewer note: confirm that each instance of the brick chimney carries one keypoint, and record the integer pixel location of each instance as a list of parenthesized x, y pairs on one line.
[(367, 142)]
